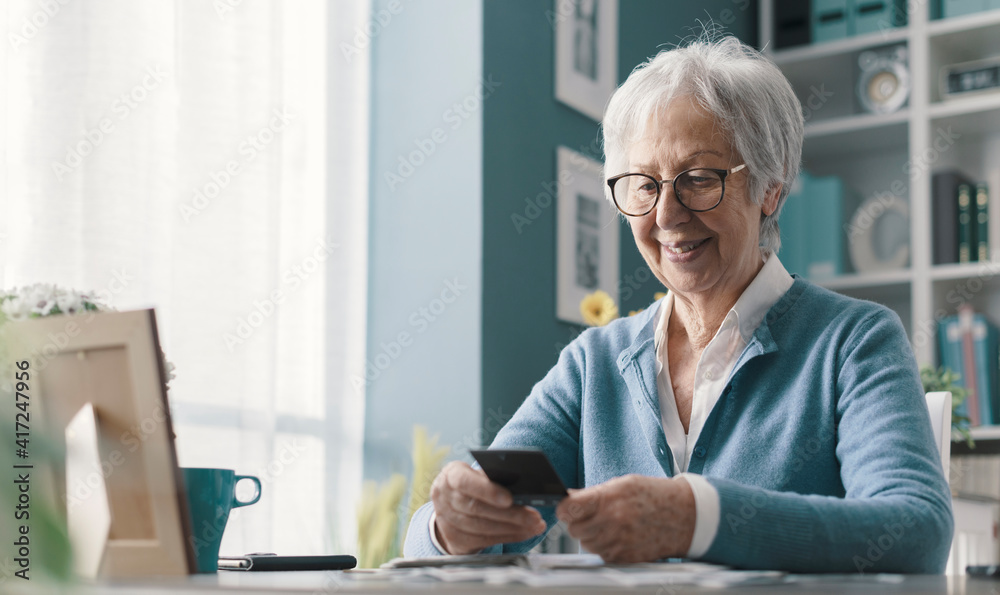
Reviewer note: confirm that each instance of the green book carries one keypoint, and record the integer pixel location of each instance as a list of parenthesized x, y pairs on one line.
[(982, 222), (964, 223)]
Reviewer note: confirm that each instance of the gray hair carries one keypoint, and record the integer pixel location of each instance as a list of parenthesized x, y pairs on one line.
[(747, 94)]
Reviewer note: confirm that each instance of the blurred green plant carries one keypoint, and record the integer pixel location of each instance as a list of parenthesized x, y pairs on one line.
[(378, 521), (381, 527), (38, 510), (944, 379)]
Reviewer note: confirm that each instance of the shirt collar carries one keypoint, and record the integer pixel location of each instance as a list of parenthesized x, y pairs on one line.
[(666, 305), (772, 282)]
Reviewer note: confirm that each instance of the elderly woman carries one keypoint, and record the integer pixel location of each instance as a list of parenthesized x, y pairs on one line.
[(748, 418)]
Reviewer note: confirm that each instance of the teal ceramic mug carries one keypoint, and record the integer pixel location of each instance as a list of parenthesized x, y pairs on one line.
[(211, 494)]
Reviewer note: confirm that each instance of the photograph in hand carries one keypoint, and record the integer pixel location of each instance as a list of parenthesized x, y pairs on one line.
[(528, 474)]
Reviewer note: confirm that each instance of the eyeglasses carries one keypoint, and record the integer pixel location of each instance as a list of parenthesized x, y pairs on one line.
[(699, 190)]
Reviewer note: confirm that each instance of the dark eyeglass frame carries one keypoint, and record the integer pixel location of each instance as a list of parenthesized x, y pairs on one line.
[(722, 173)]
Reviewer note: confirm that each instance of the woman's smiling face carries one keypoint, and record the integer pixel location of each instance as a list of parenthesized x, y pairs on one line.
[(696, 253)]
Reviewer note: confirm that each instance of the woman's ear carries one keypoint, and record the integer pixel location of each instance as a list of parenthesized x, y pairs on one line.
[(770, 204)]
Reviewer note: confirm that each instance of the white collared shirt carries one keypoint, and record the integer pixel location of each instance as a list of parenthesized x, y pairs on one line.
[(711, 376)]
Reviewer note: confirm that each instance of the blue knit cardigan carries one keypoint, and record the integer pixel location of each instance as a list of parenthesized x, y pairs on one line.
[(820, 446)]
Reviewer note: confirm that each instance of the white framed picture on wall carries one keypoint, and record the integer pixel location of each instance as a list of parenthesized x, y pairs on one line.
[(586, 54), (586, 235)]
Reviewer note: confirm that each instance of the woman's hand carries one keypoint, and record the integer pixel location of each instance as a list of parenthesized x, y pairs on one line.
[(474, 513), (632, 518)]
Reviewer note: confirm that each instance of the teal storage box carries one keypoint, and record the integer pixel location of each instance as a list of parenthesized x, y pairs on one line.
[(957, 8), (871, 16), (831, 19), (992, 4)]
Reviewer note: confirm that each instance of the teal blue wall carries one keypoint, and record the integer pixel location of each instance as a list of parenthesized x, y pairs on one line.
[(466, 371), (522, 126), (425, 229)]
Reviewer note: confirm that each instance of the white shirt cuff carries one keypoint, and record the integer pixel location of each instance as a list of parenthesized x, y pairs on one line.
[(707, 513), (437, 544)]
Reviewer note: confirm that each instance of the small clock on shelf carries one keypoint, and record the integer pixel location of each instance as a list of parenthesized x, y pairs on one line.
[(884, 80), (980, 76)]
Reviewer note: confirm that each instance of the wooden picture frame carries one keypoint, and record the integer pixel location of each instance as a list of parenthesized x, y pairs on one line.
[(105, 372), (587, 230), (586, 54)]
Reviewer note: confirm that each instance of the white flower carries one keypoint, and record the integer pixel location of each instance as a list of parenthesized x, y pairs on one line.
[(44, 299), (15, 308), (170, 367), (70, 302), (40, 297)]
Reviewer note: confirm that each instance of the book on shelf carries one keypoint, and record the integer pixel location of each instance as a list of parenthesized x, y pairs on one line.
[(992, 187), (950, 349), (969, 372), (965, 227), (950, 356), (970, 346), (811, 234), (985, 342), (791, 23), (982, 230), (944, 195)]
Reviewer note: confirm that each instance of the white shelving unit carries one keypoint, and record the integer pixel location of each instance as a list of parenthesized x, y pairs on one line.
[(986, 433), (870, 152)]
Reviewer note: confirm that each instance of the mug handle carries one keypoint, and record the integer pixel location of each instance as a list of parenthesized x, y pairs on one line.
[(236, 501)]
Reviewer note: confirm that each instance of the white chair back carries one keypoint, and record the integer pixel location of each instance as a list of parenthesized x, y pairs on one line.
[(939, 405)]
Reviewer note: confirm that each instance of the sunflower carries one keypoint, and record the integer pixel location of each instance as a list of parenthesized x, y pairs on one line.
[(598, 309)]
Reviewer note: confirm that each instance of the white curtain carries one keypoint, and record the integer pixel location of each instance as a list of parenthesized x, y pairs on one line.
[(178, 155)]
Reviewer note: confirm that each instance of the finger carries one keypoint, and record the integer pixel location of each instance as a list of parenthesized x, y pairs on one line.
[(579, 506), (465, 538), (588, 530), (451, 503), (465, 507), (470, 506), (492, 528), (446, 492), (612, 553), (473, 482), (594, 529), (601, 542)]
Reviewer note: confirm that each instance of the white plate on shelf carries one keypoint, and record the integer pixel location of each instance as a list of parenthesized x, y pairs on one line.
[(881, 240)]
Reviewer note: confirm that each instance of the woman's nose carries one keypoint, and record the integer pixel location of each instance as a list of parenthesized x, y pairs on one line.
[(669, 211)]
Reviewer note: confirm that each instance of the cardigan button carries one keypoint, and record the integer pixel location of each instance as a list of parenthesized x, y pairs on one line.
[(699, 452)]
